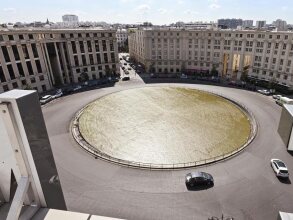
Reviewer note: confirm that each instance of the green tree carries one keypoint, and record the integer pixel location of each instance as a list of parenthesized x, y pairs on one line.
[(214, 71), (84, 76), (183, 68), (108, 72)]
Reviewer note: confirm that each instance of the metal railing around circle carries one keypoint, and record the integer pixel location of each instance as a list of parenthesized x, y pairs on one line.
[(98, 154)]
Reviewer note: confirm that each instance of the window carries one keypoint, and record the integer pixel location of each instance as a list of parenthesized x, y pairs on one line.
[(29, 67), (5, 53), (30, 36), (81, 46), (2, 76), (87, 35), (11, 71), (42, 78), (98, 58), (62, 35), (35, 51), (10, 37), (15, 52), (91, 59), (14, 85), (33, 80), (20, 69), (44, 88), (97, 46), (5, 88), (1, 38), (89, 46), (106, 58), (83, 60), (79, 35), (25, 51), (73, 47), (71, 36), (39, 68)]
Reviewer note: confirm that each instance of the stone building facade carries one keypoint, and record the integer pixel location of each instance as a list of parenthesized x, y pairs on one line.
[(43, 59), (257, 54)]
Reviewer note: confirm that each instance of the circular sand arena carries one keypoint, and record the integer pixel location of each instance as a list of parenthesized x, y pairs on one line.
[(164, 126)]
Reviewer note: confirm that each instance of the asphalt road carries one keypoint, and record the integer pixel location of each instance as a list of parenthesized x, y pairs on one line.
[(245, 185)]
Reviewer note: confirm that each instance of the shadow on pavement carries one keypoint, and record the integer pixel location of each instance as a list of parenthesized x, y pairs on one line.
[(285, 181), (198, 188)]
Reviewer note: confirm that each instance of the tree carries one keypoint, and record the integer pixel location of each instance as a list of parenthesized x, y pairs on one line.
[(84, 76), (108, 72), (183, 67), (152, 67), (272, 83), (214, 71), (244, 77)]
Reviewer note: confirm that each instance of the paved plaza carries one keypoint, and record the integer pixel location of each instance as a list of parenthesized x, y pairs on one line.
[(245, 185)]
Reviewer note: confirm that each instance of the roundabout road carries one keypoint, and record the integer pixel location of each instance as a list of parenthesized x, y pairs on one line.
[(245, 185)]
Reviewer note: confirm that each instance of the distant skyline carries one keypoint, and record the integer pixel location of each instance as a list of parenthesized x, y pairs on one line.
[(155, 11)]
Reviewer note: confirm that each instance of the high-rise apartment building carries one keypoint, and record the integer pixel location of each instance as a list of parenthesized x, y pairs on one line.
[(70, 18), (122, 36), (262, 55), (280, 25), (247, 23), (260, 24), (42, 59), (230, 23)]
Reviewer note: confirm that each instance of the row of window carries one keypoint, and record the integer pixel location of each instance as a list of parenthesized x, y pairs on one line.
[(260, 36), (19, 69), (89, 46), (24, 83), (52, 36), (15, 50)]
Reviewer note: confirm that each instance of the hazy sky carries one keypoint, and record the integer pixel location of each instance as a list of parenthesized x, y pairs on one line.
[(155, 11)]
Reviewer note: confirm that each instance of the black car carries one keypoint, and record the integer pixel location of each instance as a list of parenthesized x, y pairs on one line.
[(126, 78), (199, 179)]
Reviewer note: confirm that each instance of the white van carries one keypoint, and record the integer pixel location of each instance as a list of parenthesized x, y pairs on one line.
[(284, 100)]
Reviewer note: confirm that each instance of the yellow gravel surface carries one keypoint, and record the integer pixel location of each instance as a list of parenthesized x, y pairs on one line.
[(164, 125)]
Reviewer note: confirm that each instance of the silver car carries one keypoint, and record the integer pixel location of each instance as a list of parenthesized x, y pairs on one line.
[(279, 168)]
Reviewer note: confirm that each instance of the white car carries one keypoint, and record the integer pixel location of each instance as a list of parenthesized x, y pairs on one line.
[(279, 168), (277, 97), (264, 91), (183, 76), (58, 94), (45, 99)]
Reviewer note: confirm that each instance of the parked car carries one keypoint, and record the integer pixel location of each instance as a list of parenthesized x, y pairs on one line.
[(45, 99), (125, 64), (183, 76), (198, 179), (129, 68), (277, 97), (126, 72), (123, 67), (77, 88), (125, 78), (264, 91), (279, 168), (58, 93), (284, 100)]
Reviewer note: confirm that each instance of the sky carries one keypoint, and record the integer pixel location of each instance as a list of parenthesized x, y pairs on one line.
[(137, 11)]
